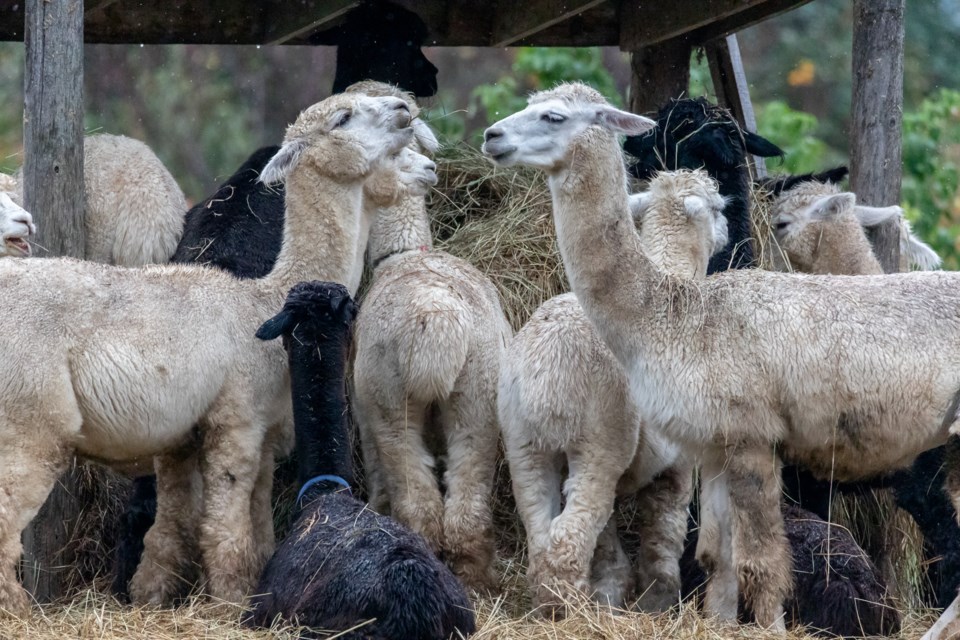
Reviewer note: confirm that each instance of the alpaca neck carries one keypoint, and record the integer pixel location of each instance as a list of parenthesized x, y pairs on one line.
[(599, 246), (320, 230), (846, 252), (733, 184), (318, 384), (674, 253), (402, 227)]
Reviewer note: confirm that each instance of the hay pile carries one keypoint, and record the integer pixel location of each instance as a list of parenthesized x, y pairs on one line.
[(500, 220), (93, 616)]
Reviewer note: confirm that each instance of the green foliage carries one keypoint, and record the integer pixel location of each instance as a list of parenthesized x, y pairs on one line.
[(541, 68), (794, 132), (11, 108), (931, 152)]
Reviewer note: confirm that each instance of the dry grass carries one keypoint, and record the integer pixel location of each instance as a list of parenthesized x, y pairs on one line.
[(93, 616)]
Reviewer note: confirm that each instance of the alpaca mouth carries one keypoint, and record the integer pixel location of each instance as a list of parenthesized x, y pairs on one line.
[(19, 246), (498, 156)]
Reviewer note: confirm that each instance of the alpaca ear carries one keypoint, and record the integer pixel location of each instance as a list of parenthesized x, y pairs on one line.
[(276, 326), (760, 146), (622, 121), (918, 253), (873, 216), (829, 206), (694, 205), (283, 162), (639, 204), (425, 136)]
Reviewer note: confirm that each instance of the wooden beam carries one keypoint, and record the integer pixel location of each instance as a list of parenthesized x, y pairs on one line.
[(53, 193), (305, 17), (659, 72), (515, 21), (90, 6), (643, 24), (743, 19), (877, 106), (730, 84)]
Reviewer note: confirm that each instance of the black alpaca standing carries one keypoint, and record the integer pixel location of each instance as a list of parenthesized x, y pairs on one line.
[(239, 228), (342, 564), (692, 133)]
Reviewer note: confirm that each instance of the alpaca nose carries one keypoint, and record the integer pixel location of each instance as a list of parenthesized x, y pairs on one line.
[(492, 134), (432, 166)]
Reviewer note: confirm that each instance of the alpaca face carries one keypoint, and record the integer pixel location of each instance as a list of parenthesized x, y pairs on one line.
[(799, 224), (16, 225), (541, 135), (344, 137)]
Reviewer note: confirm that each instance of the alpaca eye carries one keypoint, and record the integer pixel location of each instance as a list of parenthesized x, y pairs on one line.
[(344, 119), (555, 118), (782, 226)]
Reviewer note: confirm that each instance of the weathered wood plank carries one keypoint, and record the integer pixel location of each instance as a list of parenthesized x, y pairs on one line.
[(96, 5), (302, 17), (643, 24), (53, 193), (875, 141), (659, 72), (743, 19), (730, 84), (516, 21)]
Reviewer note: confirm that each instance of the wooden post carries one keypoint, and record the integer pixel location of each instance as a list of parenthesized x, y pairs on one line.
[(730, 84), (875, 145), (53, 193), (659, 72)]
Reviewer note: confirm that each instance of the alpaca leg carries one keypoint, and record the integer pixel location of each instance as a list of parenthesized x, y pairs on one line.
[(29, 469), (761, 550), (414, 494), (611, 576), (170, 556), (590, 491), (372, 466), (261, 508), (472, 435), (536, 487), (230, 467), (662, 507), (715, 541), (945, 626)]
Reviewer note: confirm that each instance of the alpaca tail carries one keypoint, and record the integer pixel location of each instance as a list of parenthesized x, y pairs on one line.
[(424, 598), (437, 354)]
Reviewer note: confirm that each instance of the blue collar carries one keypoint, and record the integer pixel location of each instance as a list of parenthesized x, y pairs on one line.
[(326, 478)]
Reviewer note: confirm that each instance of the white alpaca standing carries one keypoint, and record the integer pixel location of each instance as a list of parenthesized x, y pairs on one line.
[(133, 207), (563, 399), (429, 341), (848, 375), (118, 365)]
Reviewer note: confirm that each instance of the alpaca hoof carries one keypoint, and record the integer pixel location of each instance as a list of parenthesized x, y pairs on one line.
[(154, 586), (611, 592), (659, 596), (481, 578)]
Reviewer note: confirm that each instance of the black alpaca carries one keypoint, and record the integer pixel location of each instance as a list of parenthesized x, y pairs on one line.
[(239, 228), (342, 565), (838, 591), (692, 133)]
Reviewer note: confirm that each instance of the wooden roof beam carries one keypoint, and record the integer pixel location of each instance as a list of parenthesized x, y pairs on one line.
[(714, 18), (516, 21), (309, 16), (90, 6)]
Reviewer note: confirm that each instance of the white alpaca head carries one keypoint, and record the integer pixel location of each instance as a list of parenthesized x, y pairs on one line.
[(681, 219), (416, 172), (541, 134), (804, 213), (344, 137), (16, 225)]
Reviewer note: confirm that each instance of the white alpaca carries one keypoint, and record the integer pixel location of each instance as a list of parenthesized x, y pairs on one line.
[(16, 225), (133, 207), (429, 340), (819, 228), (119, 364), (849, 375), (563, 399)]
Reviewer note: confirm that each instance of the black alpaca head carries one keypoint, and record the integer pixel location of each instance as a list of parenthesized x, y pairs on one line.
[(692, 133), (311, 307), (778, 184), (381, 41)]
